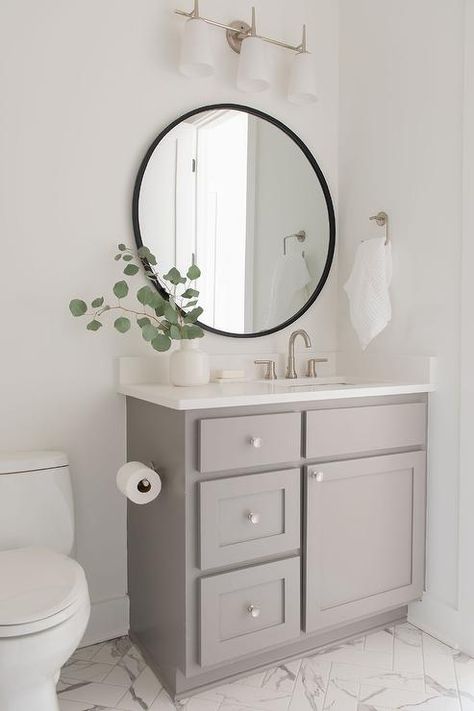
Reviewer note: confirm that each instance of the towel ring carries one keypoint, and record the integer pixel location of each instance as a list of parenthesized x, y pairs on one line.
[(381, 218)]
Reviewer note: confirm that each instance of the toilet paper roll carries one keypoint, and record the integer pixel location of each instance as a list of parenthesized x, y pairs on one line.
[(138, 482)]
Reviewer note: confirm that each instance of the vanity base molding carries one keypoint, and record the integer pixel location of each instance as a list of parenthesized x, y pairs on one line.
[(181, 687), (278, 530)]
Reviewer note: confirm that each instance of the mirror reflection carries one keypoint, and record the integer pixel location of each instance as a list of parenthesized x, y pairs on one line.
[(235, 194)]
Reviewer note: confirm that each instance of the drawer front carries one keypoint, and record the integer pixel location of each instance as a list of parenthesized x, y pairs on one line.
[(248, 610), (242, 442), (247, 517), (332, 433)]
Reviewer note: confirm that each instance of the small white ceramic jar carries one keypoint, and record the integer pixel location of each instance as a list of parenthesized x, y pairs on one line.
[(189, 365)]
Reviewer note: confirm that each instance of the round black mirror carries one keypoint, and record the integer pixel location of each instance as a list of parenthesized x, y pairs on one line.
[(236, 192)]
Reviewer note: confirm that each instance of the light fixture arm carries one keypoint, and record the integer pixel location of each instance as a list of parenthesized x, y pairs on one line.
[(243, 30)]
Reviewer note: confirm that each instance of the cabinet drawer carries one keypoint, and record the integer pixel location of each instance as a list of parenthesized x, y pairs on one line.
[(332, 433), (247, 610), (246, 517), (240, 442)]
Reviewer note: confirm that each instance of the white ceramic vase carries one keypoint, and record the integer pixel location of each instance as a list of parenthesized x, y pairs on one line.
[(189, 365)]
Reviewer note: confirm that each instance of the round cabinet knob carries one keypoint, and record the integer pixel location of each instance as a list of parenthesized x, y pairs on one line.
[(256, 442), (319, 476), (254, 611), (254, 518)]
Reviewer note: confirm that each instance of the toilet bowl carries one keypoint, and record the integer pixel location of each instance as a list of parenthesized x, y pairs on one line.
[(44, 599)]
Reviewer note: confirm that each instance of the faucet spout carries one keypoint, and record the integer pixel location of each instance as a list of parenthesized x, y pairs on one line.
[(291, 373)]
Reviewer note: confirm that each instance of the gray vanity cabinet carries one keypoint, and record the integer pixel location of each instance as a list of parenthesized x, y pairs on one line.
[(365, 537), (278, 529)]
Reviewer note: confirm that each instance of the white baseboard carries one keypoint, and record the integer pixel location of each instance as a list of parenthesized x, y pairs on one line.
[(437, 619), (109, 619)]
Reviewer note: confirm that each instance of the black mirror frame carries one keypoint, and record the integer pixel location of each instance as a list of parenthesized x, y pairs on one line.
[(319, 174)]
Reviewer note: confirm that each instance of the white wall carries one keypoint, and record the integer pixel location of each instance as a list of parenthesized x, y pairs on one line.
[(86, 86), (401, 151)]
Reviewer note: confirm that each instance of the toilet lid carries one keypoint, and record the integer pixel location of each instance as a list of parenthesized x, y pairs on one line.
[(36, 583)]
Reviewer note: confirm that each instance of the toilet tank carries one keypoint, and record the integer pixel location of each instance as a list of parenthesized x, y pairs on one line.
[(36, 506)]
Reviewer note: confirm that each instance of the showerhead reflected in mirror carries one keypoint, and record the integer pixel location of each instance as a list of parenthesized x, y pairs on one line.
[(236, 192)]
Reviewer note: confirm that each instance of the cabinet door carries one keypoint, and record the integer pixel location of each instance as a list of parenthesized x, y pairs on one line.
[(365, 537)]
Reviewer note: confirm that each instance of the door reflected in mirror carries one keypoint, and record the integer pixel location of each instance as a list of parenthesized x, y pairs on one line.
[(237, 193)]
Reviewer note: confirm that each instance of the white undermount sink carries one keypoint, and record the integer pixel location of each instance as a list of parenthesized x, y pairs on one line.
[(310, 383)]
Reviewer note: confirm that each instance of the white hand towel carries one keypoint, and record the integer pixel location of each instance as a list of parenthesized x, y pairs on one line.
[(291, 275), (368, 289)]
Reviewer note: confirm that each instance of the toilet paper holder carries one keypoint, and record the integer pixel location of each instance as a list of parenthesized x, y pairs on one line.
[(144, 485)]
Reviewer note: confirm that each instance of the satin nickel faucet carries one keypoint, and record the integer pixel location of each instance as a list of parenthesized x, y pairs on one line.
[(291, 373)]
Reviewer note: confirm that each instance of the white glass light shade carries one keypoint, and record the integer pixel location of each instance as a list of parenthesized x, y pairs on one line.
[(302, 86), (253, 74), (196, 55)]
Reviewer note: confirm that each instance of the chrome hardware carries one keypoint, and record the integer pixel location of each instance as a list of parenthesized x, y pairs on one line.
[(253, 611), (311, 371), (256, 442), (254, 518), (319, 476), (270, 372), (291, 373)]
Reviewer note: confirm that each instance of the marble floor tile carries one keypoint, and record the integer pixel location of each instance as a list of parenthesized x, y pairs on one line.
[(127, 670), (112, 651), (85, 671), (311, 685), (378, 677), (342, 695), (396, 669), (142, 693), (93, 693), (406, 699)]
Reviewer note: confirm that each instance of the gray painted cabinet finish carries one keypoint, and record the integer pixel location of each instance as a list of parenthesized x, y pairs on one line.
[(179, 575), (241, 442), (249, 517)]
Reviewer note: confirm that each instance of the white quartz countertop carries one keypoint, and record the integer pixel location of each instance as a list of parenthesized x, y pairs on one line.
[(249, 393)]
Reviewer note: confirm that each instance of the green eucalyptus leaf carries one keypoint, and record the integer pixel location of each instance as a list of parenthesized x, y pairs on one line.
[(144, 253), (175, 333), (143, 321), (94, 325), (122, 247), (191, 303), (174, 277), (193, 272), (170, 313), (193, 315), (127, 257), (160, 308), (78, 307), (120, 289), (145, 295), (118, 257), (161, 343), (131, 269), (122, 324), (190, 332), (97, 303), (190, 294), (149, 332)]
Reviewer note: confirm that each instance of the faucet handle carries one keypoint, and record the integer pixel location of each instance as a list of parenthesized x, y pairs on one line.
[(270, 371), (311, 372)]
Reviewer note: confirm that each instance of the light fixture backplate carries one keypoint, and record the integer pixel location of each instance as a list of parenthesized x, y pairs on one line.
[(235, 39)]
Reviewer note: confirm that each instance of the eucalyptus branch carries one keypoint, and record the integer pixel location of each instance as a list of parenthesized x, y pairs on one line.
[(161, 318)]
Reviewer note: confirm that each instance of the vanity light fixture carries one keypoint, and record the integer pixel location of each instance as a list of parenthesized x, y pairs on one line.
[(196, 55), (253, 73)]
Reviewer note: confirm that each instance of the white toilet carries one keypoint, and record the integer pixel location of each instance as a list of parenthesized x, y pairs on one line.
[(44, 599)]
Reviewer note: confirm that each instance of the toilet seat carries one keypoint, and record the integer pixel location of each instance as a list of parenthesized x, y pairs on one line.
[(39, 589)]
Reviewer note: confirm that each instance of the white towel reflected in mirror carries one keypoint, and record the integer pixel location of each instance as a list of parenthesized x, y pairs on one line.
[(288, 292)]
